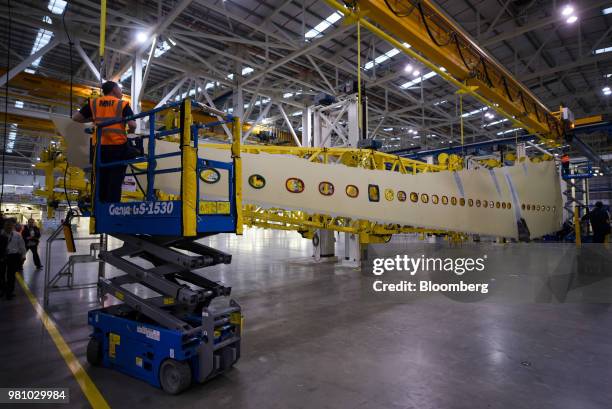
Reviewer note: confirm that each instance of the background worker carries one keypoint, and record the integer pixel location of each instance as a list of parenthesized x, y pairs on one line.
[(31, 236), (15, 254), (114, 143), (600, 222)]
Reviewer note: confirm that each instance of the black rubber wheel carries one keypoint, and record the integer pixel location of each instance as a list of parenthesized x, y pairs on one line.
[(174, 376), (94, 352)]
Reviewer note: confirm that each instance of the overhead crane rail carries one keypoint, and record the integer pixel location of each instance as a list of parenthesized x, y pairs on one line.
[(449, 51)]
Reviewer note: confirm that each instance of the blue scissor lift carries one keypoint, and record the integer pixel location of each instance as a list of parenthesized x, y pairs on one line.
[(178, 336)]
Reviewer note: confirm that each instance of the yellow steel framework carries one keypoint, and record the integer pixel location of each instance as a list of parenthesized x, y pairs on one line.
[(448, 51), (363, 158)]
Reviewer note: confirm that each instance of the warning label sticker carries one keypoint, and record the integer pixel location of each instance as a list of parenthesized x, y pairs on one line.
[(148, 332)]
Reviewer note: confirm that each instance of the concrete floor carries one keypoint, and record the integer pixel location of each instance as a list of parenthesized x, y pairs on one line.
[(313, 340)]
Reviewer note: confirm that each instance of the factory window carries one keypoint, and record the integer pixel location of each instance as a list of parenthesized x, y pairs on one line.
[(326, 188), (373, 193), (389, 194), (352, 191), (257, 181), (294, 185)]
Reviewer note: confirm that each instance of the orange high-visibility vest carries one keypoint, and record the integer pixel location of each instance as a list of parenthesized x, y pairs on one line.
[(108, 108)]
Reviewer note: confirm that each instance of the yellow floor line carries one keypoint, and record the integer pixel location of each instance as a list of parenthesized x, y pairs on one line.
[(90, 390)]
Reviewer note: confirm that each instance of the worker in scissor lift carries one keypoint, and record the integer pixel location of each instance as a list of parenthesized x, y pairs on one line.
[(565, 164), (114, 145)]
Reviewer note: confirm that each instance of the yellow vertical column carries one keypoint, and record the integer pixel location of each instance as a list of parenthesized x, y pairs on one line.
[(189, 177), (577, 227), (237, 173)]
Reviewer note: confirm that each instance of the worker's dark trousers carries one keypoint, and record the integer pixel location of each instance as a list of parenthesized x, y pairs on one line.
[(34, 250), (10, 267), (111, 178), (599, 236)]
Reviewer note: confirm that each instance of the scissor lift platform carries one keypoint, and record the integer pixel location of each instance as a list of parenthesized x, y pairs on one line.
[(168, 328)]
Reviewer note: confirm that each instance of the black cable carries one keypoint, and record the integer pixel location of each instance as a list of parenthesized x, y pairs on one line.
[(486, 72), (398, 13), (505, 83), (467, 66), (6, 92), (429, 33), (70, 45)]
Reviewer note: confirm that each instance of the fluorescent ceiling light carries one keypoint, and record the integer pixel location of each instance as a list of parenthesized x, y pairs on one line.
[(29, 71), (47, 19), (163, 47), (603, 50), (387, 129), (571, 20), (18, 104), (496, 122), (468, 114), (43, 37), (128, 73), (57, 6), (607, 10), (245, 71), (192, 91), (141, 37), (384, 57), (567, 10), (508, 131), (323, 25), (11, 143), (418, 80)]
